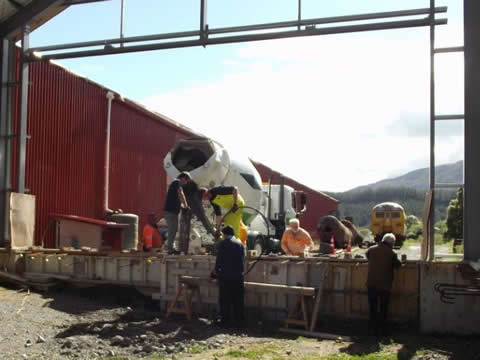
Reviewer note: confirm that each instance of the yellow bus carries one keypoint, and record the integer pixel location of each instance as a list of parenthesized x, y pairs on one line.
[(388, 217)]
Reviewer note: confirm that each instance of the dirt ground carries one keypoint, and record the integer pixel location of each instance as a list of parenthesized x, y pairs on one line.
[(116, 323)]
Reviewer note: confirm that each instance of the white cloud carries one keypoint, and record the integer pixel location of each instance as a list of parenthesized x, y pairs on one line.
[(321, 110)]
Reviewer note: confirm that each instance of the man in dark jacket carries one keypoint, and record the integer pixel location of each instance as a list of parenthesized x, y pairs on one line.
[(175, 201), (229, 272), (381, 262)]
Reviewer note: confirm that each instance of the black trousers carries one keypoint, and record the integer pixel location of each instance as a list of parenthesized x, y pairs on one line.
[(378, 320), (231, 299)]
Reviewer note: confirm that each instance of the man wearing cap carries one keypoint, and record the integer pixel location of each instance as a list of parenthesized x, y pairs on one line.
[(229, 272), (381, 262), (151, 236)]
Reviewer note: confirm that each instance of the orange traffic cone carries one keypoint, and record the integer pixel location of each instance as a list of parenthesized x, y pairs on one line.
[(332, 245)]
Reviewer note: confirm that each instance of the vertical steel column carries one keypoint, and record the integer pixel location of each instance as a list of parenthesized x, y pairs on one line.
[(203, 19), (431, 227), (4, 139), (299, 13), (122, 15), (23, 111), (471, 196)]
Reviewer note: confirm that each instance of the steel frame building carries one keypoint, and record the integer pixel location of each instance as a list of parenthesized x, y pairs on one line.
[(22, 16)]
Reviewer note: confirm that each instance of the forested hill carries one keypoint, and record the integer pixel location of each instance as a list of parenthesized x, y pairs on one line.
[(408, 190), (419, 179)]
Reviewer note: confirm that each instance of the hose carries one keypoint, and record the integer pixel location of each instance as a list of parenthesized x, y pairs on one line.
[(268, 234)]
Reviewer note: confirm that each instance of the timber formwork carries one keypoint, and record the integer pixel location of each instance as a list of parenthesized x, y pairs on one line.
[(342, 283)]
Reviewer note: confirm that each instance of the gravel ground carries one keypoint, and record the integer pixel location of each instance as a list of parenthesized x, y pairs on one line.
[(116, 323)]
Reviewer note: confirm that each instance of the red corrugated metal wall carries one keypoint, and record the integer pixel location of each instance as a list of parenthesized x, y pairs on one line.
[(318, 204), (64, 154), (139, 144), (66, 151)]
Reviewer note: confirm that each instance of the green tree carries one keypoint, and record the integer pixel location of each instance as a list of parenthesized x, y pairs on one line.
[(455, 217)]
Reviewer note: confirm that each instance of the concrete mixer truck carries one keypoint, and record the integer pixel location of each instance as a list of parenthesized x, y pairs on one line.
[(210, 164)]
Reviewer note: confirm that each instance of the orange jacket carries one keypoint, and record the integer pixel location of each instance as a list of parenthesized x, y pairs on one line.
[(294, 243), (151, 238)]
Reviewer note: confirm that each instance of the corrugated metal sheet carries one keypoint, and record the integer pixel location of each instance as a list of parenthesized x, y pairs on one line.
[(318, 204), (65, 155), (66, 123), (138, 145)]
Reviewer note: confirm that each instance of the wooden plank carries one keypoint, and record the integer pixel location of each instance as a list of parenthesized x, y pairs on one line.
[(12, 277), (319, 335), (297, 290), (318, 298), (21, 220), (43, 276)]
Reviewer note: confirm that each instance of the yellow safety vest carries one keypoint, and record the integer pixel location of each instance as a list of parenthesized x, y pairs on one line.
[(226, 201)]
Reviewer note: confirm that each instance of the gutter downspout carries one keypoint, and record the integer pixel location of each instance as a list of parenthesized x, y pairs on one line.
[(106, 210)]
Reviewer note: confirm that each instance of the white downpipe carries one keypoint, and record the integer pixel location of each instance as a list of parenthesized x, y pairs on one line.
[(106, 209)]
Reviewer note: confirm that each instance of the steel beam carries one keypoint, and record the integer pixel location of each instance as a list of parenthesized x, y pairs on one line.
[(4, 139), (450, 117), (243, 38), (80, 2), (471, 229), (234, 29), (431, 222), (23, 111), (25, 16)]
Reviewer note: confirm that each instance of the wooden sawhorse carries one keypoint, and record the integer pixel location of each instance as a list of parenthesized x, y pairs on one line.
[(189, 286)]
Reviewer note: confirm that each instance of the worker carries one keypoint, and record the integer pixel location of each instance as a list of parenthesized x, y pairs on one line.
[(174, 201), (296, 240), (151, 236), (228, 270), (228, 198), (381, 262), (163, 229), (193, 194)]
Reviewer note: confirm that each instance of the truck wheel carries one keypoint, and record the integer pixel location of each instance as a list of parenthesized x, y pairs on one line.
[(258, 245)]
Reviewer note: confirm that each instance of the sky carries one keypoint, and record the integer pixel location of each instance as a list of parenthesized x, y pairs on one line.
[(333, 112)]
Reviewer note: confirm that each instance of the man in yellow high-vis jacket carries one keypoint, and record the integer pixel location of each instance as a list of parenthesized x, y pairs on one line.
[(228, 198)]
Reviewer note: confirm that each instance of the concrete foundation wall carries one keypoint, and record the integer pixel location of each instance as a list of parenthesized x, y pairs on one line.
[(414, 299)]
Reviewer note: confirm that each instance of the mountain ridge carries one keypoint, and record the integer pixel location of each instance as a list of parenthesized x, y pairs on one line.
[(419, 179)]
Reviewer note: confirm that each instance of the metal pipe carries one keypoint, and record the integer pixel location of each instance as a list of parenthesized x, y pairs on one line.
[(203, 19), (116, 41), (449, 49), (448, 186), (281, 210), (267, 26), (122, 15), (269, 198), (431, 225), (299, 14), (106, 209), (23, 110), (327, 20), (450, 117), (242, 38), (12, 65), (4, 139)]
